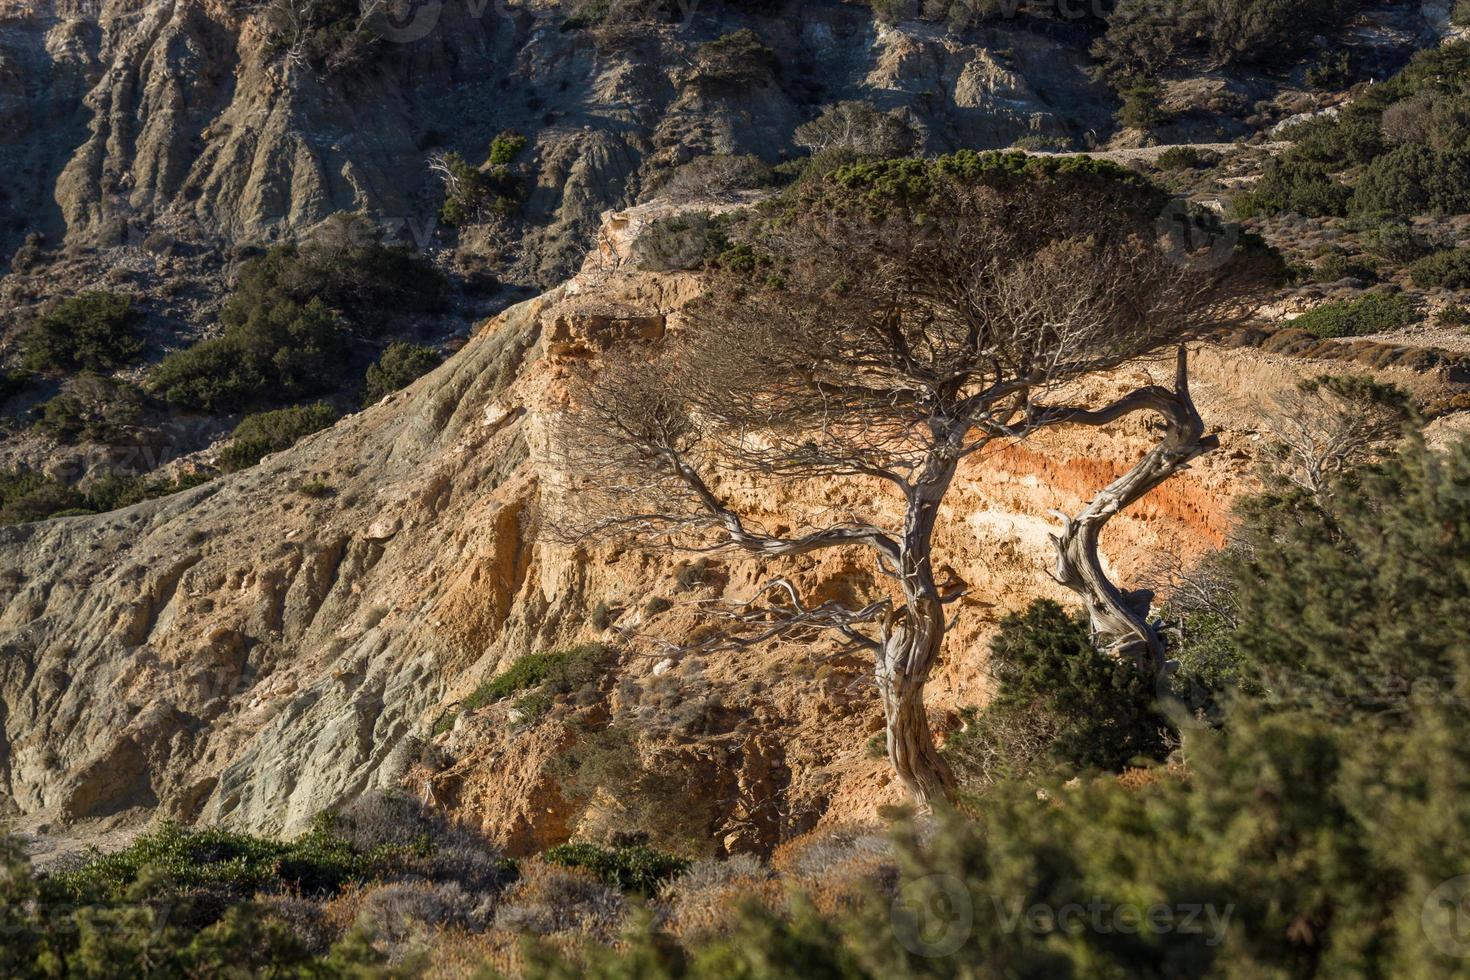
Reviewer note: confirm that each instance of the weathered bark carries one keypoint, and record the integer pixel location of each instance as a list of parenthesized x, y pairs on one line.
[(1120, 620), (902, 672), (913, 637)]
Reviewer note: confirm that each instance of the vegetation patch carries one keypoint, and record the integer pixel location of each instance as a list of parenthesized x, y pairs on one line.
[(94, 331), (1377, 312), (264, 433), (398, 367), (558, 672), (632, 868)]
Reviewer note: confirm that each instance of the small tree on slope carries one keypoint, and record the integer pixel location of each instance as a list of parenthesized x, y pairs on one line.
[(885, 326)]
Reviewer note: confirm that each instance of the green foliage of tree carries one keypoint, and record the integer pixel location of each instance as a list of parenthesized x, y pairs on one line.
[(276, 353), (90, 407), (95, 331), (1098, 712), (1376, 312), (473, 194), (1142, 107), (270, 432), (1449, 269), (635, 867), (398, 367)]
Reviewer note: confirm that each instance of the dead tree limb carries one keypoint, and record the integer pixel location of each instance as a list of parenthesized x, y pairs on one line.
[(1120, 620)]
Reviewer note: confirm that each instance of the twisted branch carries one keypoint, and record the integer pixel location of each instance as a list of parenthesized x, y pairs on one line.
[(1120, 620)]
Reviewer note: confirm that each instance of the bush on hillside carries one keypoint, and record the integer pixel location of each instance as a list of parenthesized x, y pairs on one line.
[(559, 672), (1059, 702), (264, 433), (371, 286), (1377, 312), (630, 868), (94, 331), (399, 366), (1288, 186), (90, 407), (1443, 270), (278, 353)]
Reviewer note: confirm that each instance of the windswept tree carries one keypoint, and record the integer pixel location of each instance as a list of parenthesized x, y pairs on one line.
[(886, 325)]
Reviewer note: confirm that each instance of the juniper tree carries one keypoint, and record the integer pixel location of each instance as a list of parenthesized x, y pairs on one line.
[(885, 325)]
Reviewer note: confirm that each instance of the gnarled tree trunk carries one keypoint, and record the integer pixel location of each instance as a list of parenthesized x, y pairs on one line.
[(1120, 620), (903, 667)]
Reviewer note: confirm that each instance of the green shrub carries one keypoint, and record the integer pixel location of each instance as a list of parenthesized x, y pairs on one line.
[(1332, 71), (532, 707), (559, 672), (1337, 267), (1453, 315), (1413, 180), (505, 148), (398, 367), (1187, 158), (1144, 37), (1059, 702), (372, 287), (175, 858), (1396, 242), (26, 496), (472, 194), (94, 331), (636, 868), (1337, 143), (287, 319), (90, 407), (270, 432), (1378, 312), (1142, 107), (1288, 185), (278, 353), (1445, 270)]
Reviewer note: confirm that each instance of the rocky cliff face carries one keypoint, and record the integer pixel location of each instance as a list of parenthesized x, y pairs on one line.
[(135, 119), (250, 652)]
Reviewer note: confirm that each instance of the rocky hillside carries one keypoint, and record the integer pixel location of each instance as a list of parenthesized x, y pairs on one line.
[(161, 125), (281, 639), (274, 642)]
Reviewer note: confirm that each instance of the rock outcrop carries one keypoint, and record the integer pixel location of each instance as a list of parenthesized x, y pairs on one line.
[(249, 654), (185, 121)]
